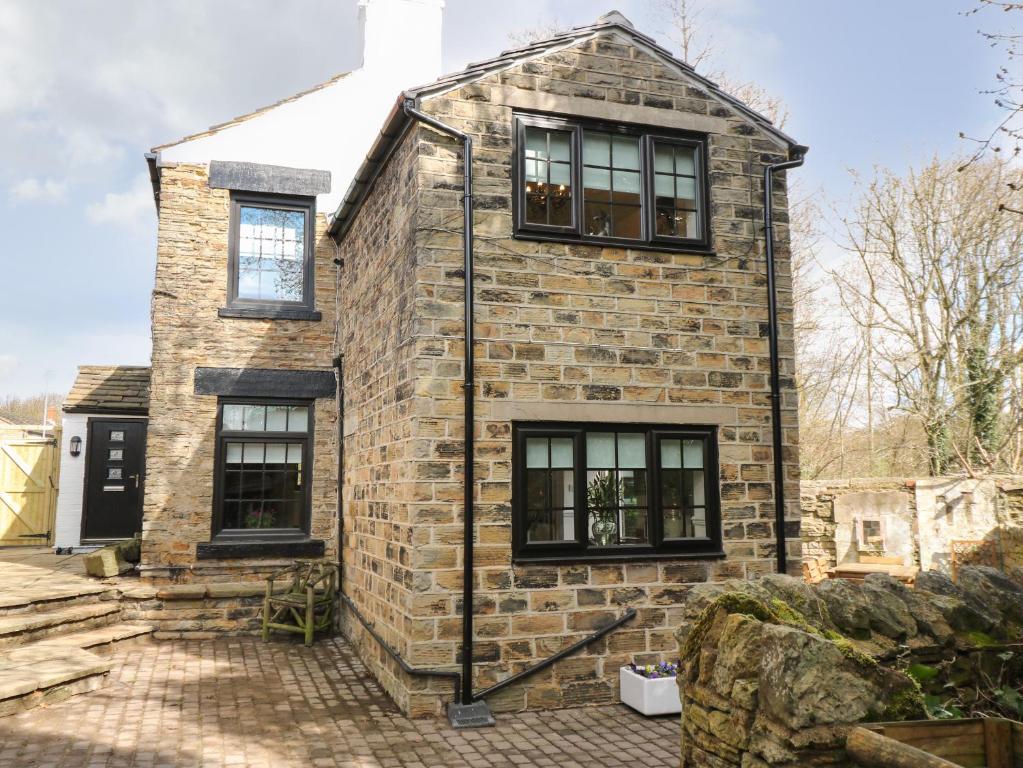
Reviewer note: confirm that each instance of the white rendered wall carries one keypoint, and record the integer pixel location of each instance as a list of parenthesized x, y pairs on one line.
[(333, 128), (68, 523)]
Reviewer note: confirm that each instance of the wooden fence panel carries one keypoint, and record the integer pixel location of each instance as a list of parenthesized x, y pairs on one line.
[(28, 487)]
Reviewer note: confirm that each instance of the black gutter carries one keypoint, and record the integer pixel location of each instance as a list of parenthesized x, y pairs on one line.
[(627, 616), (777, 440), (339, 366), (453, 676), (468, 377)]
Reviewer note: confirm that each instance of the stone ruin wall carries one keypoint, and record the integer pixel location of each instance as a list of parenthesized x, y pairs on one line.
[(920, 518), (776, 672)]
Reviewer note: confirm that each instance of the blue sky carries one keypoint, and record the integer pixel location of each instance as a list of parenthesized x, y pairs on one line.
[(87, 87)]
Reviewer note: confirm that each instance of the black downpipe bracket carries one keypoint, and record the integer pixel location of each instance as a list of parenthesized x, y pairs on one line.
[(772, 319)]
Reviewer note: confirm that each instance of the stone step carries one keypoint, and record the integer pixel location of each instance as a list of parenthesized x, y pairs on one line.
[(42, 673), (103, 639), (22, 628), (18, 599)]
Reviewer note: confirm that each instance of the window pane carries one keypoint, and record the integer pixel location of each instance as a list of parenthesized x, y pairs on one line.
[(686, 193), (600, 449), (252, 453), (561, 174), (671, 454), (254, 418), (233, 417), (276, 418), (674, 524), (695, 489), (536, 452), (561, 452), (595, 181), (596, 148), (560, 213), (597, 219), (536, 208), (561, 145), (632, 487), (536, 171), (699, 523), (685, 161), (298, 418), (688, 226), (626, 183), (671, 489), (536, 143), (634, 526), (627, 221), (631, 450), (663, 159), (666, 221), (626, 153), (664, 187), (536, 489), (562, 494), (693, 454), (233, 455), (276, 453), (295, 454)]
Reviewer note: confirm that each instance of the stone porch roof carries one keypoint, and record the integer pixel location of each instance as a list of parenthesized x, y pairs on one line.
[(109, 389)]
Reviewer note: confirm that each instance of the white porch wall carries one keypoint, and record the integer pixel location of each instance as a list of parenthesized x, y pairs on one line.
[(70, 497)]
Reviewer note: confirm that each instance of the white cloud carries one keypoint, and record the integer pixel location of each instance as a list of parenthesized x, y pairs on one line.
[(131, 208), (36, 191)]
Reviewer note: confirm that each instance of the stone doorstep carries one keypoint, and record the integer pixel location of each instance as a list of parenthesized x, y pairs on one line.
[(18, 628), (38, 667), (101, 638)]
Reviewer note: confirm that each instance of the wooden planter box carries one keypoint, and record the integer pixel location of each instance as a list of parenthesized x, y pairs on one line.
[(649, 697), (980, 743)]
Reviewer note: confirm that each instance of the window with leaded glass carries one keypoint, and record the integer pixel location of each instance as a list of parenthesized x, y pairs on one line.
[(271, 249), (263, 467), (614, 184), (597, 491)]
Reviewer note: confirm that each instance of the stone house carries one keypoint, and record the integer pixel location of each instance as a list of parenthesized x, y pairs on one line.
[(313, 393)]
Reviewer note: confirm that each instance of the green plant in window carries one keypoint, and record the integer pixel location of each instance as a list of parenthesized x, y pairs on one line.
[(260, 518), (602, 494)]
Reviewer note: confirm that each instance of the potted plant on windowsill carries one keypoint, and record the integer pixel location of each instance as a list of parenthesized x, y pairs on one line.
[(651, 689)]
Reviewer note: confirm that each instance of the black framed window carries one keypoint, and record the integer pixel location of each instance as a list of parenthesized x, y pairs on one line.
[(263, 461), (614, 491), (621, 185), (270, 262)]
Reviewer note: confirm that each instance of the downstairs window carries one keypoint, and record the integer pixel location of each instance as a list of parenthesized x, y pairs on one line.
[(614, 491)]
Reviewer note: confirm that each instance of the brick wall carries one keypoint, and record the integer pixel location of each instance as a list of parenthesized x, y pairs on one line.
[(565, 332), (191, 285)]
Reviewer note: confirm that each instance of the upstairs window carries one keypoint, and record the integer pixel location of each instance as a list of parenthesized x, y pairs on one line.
[(609, 184), (271, 256), (593, 491)]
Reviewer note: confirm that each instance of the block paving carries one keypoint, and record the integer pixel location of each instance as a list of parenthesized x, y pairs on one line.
[(241, 702)]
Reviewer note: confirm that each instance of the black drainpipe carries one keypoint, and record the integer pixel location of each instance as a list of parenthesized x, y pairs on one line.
[(339, 363), (772, 322), (468, 377)]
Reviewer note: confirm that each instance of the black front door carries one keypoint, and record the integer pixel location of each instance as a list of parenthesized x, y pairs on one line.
[(114, 479)]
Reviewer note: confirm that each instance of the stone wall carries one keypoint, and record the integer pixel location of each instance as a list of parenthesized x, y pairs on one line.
[(191, 285), (775, 672), (920, 518), (565, 332)]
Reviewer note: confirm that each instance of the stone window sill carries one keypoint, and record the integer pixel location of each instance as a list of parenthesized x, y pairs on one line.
[(625, 557), (235, 549), (271, 313)]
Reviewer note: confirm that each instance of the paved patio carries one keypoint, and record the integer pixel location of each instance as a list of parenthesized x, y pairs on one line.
[(240, 702)]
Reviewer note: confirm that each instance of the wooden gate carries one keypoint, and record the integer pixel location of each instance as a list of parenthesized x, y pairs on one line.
[(29, 467)]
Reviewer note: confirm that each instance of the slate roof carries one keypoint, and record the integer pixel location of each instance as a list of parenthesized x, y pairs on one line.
[(109, 389), (398, 122)]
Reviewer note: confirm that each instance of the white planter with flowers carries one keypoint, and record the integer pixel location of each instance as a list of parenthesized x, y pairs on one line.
[(651, 690)]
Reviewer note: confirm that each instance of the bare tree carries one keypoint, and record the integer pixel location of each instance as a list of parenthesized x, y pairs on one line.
[(537, 32), (934, 278), (1007, 91), (690, 22)]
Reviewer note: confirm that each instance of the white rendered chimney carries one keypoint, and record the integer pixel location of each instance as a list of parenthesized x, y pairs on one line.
[(402, 36)]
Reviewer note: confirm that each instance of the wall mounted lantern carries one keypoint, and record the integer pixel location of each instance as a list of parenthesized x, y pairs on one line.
[(76, 445)]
